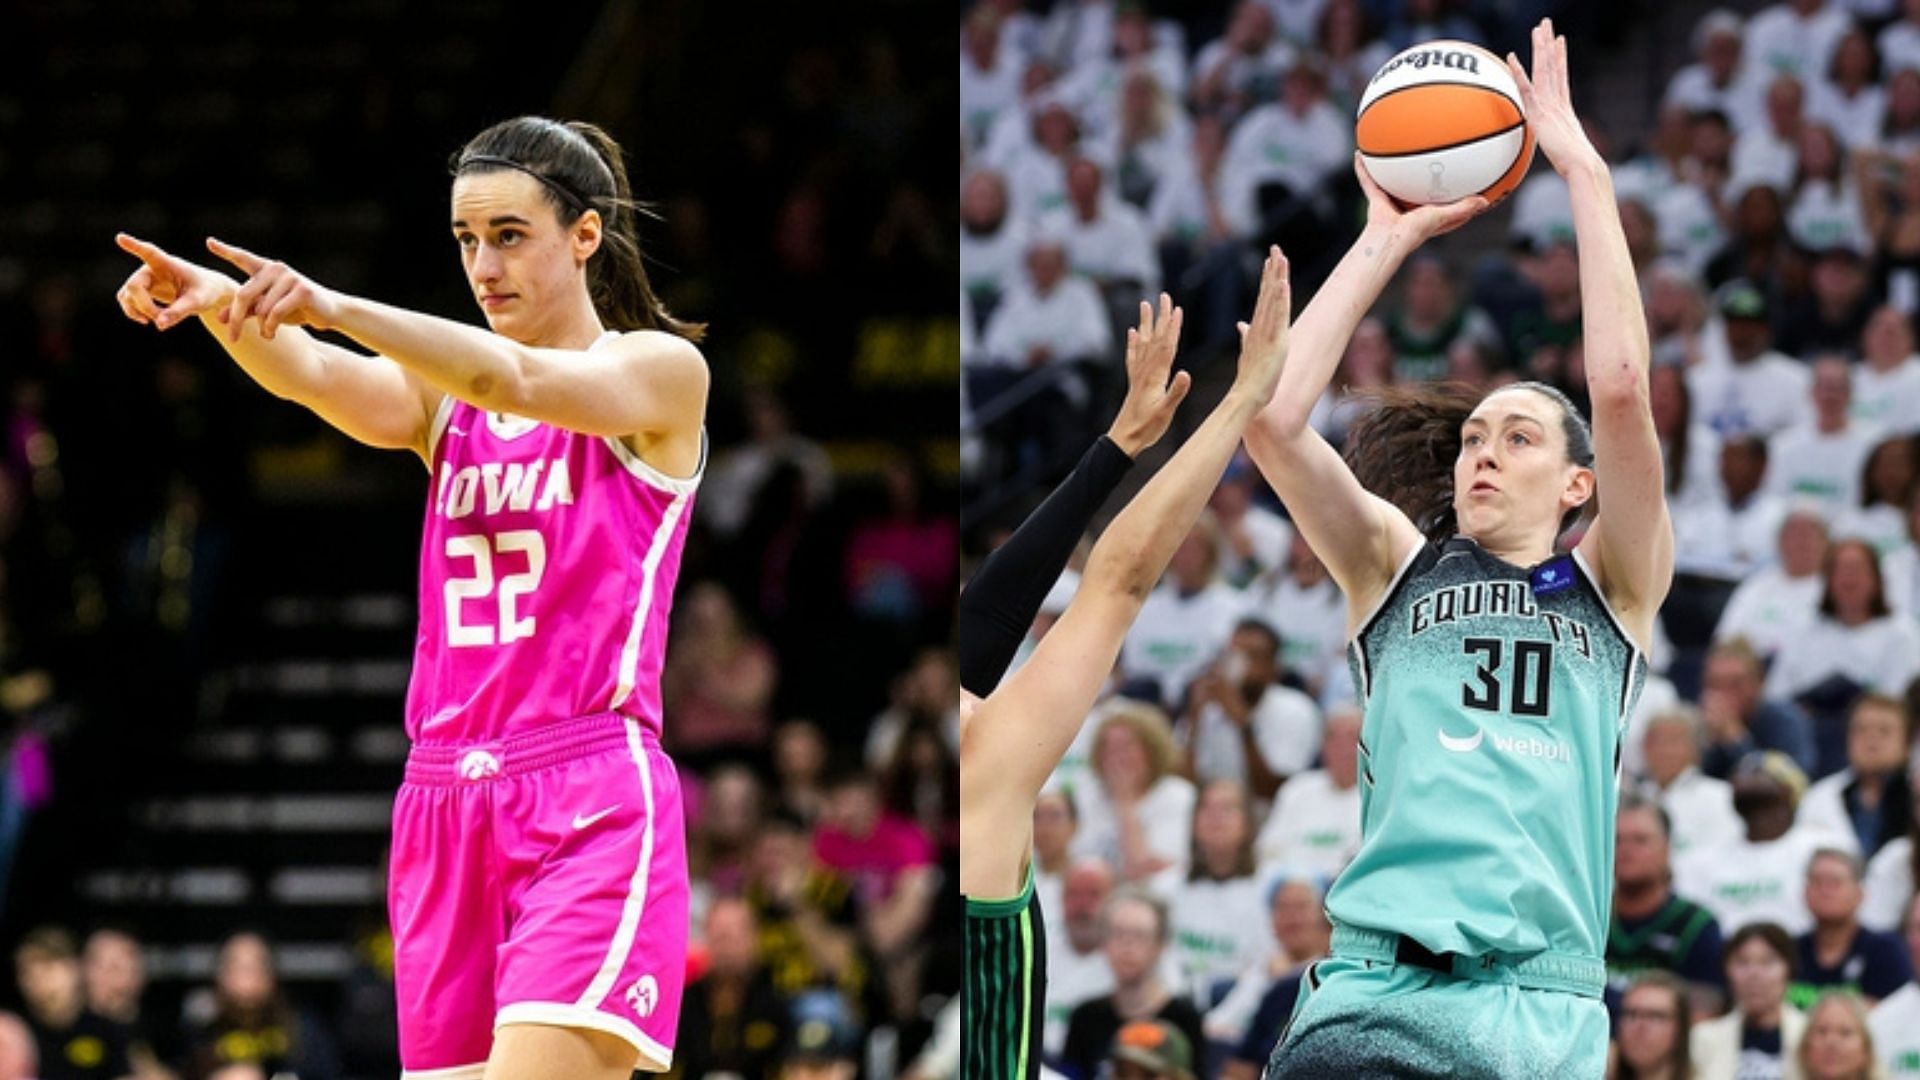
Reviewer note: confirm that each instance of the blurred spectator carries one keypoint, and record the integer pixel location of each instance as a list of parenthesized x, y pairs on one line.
[(1892, 872), (1775, 602), (719, 678), (1699, 808), (1136, 935), (1901, 565), (1216, 914), (1739, 720), (1243, 68), (1425, 20), (1850, 99), (825, 1039), (1150, 1050), (1186, 621), (892, 865), (732, 1019), (1253, 539), (1839, 953), (1715, 81), (1137, 813), (1796, 37), (1539, 334), (1855, 643), (1036, 168), (1767, 155), (899, 561), (1279, 159), (1888, 480), (808, 916), (799, 767), (1102, 86), (1151, 139), (1900, 133), (1895, 1021), (1763, 1032), (1689, 447), (1300, 926), (923, 694), (1824, 218), (1430, 319), (1655, 929), (1053, 827), (1367, 364), (1753, 389), (921, 782), (247, 1019), (989, 74), (1077, 968), (1350, 50), (1839, 1044), (1240, 724), (1309, 612), (115, 975), (1315, 823), (1761, 878), (1202, 235), (738, 473), (993, 244), (1653, 1030), (19, 1058), (722, 838), (1051, 319), (1108, 241), (72, 1042), (1820, 462), (1868, 799)]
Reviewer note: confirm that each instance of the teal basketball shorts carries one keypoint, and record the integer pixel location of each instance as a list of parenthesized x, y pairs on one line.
[(1359, 1017)]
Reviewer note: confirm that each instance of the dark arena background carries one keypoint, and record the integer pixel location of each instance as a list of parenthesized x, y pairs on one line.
[(207, 595)]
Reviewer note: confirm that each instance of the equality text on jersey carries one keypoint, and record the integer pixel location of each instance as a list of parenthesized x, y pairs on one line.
[(1493, 599)]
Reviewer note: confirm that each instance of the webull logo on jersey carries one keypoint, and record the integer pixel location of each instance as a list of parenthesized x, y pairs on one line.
[(1528, 746), (497, 485)]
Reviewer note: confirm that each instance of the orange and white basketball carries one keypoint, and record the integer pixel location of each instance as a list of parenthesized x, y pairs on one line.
[(1442, 121)]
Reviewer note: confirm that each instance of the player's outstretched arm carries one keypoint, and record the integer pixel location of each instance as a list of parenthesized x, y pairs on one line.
[(369, 398), (1018, 734), (1630, 545), (1000, 602), (1359, 536), (647, 381)]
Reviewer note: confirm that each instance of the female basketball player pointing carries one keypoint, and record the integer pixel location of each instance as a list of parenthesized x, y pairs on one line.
[(1496, 675), (539, 886)]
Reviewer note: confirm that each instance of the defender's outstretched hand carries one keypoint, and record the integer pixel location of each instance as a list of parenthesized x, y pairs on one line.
[(275, 293), (167, 289), (1151, 396), (1263, 343)]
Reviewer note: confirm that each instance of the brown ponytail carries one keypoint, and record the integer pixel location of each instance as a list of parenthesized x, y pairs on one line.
[(581, 167)]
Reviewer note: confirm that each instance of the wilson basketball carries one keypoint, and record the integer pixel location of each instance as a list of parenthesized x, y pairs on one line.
[(1442, 121)]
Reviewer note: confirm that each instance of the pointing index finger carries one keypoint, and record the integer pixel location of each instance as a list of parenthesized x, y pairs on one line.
[(238, 256)]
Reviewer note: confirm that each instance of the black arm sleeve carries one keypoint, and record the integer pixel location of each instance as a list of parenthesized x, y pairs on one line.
[(999, 604)]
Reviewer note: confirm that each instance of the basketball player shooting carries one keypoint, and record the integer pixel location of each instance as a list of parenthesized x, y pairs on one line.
[(538, 886)]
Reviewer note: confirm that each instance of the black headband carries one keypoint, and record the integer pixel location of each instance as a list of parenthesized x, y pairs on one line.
[(566, 193)]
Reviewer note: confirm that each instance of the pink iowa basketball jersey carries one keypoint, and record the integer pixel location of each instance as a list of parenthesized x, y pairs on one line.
[(547, 567)]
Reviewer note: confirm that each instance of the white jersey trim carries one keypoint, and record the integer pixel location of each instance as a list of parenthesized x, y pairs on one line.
[(617, 954), (653, 1056), (672, 485), (441, 415), (649, 575)]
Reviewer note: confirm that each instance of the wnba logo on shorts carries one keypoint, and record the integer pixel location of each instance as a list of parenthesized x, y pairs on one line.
[(478, 765), (643, 996)]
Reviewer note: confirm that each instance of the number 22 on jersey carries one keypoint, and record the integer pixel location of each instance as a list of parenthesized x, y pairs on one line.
[(484, 551)]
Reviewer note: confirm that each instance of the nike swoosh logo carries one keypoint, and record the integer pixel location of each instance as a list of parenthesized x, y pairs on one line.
[(1461, 746), (580, 822)]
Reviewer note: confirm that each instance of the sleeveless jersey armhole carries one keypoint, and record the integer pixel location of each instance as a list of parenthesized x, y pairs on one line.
[(441, 415)]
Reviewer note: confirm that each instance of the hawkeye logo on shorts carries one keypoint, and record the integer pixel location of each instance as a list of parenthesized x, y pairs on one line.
[(644, 996), (478, 765), (1525, 746)]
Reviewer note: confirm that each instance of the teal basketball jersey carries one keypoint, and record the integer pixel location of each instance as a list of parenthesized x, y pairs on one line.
[(1496, 697)]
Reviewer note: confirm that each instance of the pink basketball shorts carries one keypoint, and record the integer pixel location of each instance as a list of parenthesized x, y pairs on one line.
[(541, 879)]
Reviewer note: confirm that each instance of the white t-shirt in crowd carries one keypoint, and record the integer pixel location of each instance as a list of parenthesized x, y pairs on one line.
[(1071, 321), (1889, 399), (1888, 886), (1856, 120), (1895, 1024), (1900, 46), (1693, 89), (1824, 805), (1286, 728), (1901, 570), (1116, 245), (1272, 144), (1769, 609), (1312, 624), (1701, 810), (1820, 467), (1072, 978), (1764, 396), (1779, 41), (1657, 695), (1218, 929), (985, 92), (1270, 536), (1880, 654), (1166, 820), (1314, 827), (1176, 636), (1714, 538), (994, 262), (1743, 882)]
